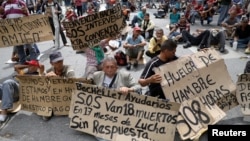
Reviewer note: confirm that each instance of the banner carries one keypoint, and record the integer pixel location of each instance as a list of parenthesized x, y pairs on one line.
[(29, 29), (199, 82), (89, 30), (42, 95), (243, 93), (111, 115)]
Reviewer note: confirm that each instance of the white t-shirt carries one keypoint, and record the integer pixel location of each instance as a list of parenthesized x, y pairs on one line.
[(106, 82)]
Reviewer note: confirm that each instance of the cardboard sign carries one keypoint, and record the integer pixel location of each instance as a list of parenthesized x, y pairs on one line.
[(90, 30), (29, 29), (107, 114), (198, 81), (243, 93), (42, 95)]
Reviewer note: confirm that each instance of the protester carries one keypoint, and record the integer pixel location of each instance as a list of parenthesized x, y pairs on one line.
[(138, 17), (111, 77), (134, 47), (58, 69), (247, 67), (9, 90), (94, 55), (182, 25), (200, 39), (242, 35), (230, 25), (147, 27), (224, 8), (207, 13), (17, 9), (149, 77), (78, 5), (155, 43), (31, 6), (195, 13), (47, 8), (174, 18), (216, 38)]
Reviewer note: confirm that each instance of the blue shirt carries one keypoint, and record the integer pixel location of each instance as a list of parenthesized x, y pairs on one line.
[(131, 41)]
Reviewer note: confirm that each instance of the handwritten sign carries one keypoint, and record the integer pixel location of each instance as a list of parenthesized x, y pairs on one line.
[(90, 30), (42, 95), (197, 81), (107, 114), (243, 93), (29, 29)]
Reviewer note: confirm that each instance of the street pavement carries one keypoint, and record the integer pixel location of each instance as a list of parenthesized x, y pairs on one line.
[(26, 126)]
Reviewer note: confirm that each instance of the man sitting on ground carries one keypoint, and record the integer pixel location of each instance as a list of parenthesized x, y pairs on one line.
[(110, 77), (148, 76), (155, 43), (9, 90), (134, 47), (58, 69)]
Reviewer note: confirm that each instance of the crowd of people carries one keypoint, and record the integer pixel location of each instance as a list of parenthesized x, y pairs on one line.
[(102, 68)]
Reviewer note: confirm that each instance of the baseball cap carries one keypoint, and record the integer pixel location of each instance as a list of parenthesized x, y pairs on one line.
[(33, 63), (55, 57), (137, 28)]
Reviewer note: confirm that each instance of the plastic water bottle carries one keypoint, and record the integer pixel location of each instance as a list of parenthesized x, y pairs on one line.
[(235, 45)]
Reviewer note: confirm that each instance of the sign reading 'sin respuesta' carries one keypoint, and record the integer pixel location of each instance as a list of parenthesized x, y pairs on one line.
[(111, 115)]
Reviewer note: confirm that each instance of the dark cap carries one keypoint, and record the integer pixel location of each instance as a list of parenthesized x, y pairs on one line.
[(33, 63), (55, 57)]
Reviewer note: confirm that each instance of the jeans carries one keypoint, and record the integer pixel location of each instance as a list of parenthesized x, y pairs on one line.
[(84, 7), (60, 30), (174, 34), (9, 93), (36, 48), (136, 20), (219, 39), (22, 55), (193, 16), (223, 13), (242, 43)]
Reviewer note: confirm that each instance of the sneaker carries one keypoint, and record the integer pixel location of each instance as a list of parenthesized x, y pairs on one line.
[(3, 123), (128, 66), (222, 50), (247, 51), (46, 118), (187, 45), (3, 117), (135, 64)]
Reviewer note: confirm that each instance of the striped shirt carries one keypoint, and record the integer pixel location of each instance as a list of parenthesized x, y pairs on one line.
[(154, 88), (13, 9)]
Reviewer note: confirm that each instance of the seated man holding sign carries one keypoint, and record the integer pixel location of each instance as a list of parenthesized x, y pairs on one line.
[(9, 90), (110, 77), (148, 76), (58, 69)]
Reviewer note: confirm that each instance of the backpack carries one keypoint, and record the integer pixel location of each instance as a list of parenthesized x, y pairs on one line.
[(120, 58)]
